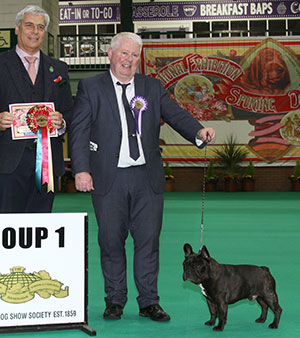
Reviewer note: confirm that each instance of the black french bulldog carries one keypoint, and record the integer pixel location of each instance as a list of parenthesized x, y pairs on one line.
[(224, 284)]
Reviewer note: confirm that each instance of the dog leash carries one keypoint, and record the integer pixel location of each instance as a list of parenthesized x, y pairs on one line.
[(203, 196), (203, 199)]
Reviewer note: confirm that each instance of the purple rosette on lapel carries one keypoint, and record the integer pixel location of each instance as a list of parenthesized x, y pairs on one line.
[(138, 105)]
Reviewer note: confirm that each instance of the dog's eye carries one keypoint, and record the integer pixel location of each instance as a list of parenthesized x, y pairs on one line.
[(279, 69)]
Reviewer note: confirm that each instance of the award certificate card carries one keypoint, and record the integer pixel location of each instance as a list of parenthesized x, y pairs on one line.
[(20, 129)]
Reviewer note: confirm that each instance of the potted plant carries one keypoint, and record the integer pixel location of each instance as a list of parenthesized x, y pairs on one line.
[(230, 157), (210, 178), (248, 178), (295, 177), (169, 177), (231, 181)]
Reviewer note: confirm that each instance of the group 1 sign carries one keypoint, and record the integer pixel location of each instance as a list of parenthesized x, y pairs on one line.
[(43, 272)]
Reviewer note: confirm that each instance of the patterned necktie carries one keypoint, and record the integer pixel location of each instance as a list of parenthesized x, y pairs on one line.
[(133, 145), (31, 69)]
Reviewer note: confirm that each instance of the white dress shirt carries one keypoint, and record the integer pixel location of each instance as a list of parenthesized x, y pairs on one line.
[(22, 54), (124, 159)]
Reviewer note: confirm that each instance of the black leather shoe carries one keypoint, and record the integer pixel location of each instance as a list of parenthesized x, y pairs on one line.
[(155, 312), (113, 311)]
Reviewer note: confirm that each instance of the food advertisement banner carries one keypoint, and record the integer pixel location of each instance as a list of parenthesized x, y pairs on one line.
[(178, 10)]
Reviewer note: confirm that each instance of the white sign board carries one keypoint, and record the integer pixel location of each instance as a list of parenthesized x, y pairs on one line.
[(42, 269)]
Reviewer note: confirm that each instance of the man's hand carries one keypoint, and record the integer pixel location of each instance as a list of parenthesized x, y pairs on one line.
[(84, 182), (207, 135), (6, 120), (57, 119)]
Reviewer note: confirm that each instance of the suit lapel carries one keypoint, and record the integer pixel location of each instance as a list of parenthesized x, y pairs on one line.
[(139, 88), (139, 85), (45, 66), (13, 65), (107, 87)]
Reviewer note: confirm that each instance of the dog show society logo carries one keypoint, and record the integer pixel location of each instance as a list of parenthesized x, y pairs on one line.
[(20, 287)]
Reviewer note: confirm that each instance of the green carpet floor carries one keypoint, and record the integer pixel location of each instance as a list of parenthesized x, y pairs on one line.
[(253, 228)]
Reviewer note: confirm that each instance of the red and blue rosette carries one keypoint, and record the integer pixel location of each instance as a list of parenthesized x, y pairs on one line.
[(138, 105), (39, 123)]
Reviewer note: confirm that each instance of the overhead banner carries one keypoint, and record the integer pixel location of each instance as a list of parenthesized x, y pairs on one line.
[(208, 10), (176, 10), (42, 272), (248, 88)]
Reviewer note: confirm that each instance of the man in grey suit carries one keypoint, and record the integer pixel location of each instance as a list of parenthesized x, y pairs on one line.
[(18, 192), (127, 184)]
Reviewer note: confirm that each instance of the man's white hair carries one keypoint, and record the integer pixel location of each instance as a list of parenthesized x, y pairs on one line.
[(32, 9), (128, 35)]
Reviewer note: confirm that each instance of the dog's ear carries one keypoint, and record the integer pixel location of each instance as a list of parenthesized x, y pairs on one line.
[(187, 249), (204, 252)]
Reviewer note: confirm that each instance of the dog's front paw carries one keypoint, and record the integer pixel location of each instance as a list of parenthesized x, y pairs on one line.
[(273, 326), (210, 322), (260, 320), (218, 328)]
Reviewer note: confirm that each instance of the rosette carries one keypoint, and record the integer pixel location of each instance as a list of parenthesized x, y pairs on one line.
[(39, 123), (138, 105)]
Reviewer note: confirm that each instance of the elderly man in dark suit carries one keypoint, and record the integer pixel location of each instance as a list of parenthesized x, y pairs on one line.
[(124, 169), (18, 192)]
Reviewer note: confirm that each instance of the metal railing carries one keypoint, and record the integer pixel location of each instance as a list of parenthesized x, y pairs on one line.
[(84, 51), (88, 52)]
